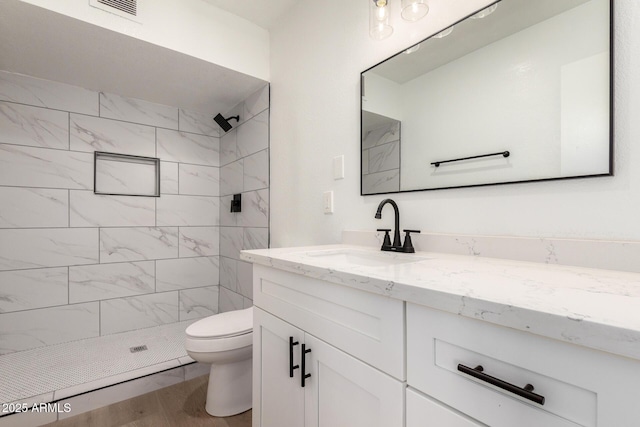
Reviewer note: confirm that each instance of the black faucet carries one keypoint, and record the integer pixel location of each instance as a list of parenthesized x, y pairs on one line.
[(397, 245)]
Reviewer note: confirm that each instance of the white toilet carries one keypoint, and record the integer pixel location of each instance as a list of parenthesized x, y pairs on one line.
[(224, 341)]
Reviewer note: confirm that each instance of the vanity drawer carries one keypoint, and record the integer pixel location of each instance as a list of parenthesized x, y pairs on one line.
[(581, 387), (368, 326), (423, 411)]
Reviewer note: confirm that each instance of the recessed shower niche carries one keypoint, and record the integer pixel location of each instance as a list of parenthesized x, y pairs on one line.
[(125, 175)]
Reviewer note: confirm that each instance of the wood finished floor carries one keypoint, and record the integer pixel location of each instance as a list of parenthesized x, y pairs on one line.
[(181, 405)]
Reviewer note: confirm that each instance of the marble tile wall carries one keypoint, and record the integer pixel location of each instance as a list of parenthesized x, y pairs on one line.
[(381, 158), (620, 255), (244, 169), (74, 264)]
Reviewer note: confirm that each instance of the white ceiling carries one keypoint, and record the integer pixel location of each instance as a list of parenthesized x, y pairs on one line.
[(264, 13), (510, 17), (48, 45)]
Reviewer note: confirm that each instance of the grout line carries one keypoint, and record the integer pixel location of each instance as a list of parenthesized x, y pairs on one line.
[(68, 149), (191, 133), (269, 165), (115, 227), (98, 301), (51, 307), (65, 150), (98, 264), (43, 188), (5, 101), (178, 179), (179, 299), (109, 119)]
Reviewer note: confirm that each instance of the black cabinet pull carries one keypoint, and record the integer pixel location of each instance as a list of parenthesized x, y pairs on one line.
[(304, 375), (291, 367), (526, 392)]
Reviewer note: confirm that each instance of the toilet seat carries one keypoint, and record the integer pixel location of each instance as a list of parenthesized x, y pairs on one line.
[(223, 325), (212, 345), (221, 332)]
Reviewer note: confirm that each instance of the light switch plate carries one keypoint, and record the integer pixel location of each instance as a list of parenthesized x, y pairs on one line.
[(327, 202), (338, 167)]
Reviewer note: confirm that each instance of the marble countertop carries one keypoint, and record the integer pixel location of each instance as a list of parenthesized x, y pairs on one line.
[(594, 308)]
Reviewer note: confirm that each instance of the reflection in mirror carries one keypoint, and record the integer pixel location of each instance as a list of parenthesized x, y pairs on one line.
[(380, 153), (528, 77)]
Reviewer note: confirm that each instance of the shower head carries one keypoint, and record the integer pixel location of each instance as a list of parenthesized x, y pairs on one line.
[(224, 123)]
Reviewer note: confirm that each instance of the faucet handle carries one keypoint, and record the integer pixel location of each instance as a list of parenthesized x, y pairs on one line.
[(387, 238), (408, 244)]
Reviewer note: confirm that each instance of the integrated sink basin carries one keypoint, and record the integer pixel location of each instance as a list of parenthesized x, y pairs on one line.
[(360, 258)]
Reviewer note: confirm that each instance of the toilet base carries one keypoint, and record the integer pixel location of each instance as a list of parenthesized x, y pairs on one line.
[(230, 388)]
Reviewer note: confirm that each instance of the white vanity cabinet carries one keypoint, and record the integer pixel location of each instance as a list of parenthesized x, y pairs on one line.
[(580, 386), (382, 361), (354, 370)]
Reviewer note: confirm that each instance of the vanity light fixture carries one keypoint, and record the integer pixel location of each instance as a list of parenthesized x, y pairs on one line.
[(485, 12), (379, 17)]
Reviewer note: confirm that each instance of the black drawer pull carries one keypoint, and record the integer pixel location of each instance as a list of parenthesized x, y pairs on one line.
[(291, 367), (304, 375), (526, 392)]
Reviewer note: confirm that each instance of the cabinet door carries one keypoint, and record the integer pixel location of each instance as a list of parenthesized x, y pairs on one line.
[(278, 399), (345, 392)]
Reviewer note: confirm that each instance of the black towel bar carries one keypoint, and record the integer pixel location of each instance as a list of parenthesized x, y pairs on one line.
[(501, 153)]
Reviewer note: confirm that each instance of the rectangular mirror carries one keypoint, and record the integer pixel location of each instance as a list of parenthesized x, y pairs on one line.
[(519, 91)]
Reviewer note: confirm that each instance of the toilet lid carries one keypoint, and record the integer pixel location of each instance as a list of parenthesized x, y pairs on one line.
[(221, 325)]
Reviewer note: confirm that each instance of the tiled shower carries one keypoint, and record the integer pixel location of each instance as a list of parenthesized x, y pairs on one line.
[(76, 265)]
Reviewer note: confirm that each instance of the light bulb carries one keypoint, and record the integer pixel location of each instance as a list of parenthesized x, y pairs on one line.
[(382, 13), (485, 12), (443, 33), (412, 49), (412, 10)]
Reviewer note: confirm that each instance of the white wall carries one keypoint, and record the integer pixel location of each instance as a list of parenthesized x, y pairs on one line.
[(382, 96), (316, 59), (192, 27)]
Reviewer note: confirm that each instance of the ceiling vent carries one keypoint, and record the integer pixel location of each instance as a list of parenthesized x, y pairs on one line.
[(129, 9)]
